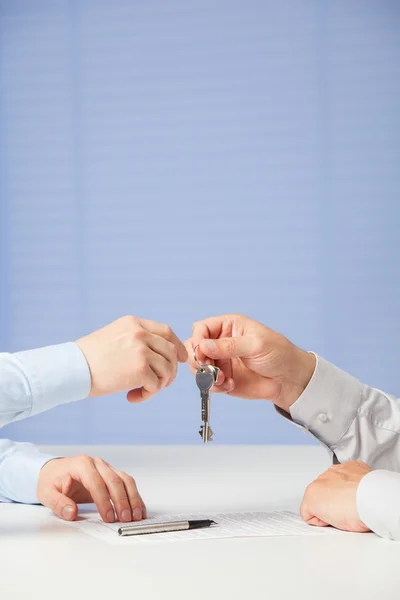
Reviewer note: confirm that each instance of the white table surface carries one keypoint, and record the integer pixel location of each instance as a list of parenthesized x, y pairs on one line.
[(42, 557)]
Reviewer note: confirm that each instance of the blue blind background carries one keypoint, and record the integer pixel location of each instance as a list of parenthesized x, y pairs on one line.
[(183, 159)]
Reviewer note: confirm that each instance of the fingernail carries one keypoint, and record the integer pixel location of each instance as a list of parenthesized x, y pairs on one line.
[(183, 354), (110, 516), (137, 514), (209, 345), (144, 512), (230, 384), (67, 512), (126, 515)]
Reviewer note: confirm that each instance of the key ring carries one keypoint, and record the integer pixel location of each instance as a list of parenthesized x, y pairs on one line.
[(195, 356)]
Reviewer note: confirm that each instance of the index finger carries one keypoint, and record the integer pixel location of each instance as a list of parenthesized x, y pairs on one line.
[(309, 517), (194, 365), (206, 329), (214, 328), (93, 482), (166, 332), (209, 328)]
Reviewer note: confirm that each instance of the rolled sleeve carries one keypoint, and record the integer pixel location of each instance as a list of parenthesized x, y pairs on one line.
[(378, 503)]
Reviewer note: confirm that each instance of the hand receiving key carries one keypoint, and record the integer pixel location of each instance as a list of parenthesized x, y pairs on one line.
[(206, 377)]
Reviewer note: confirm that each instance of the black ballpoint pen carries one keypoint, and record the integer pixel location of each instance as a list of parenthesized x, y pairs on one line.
[(145, 528)]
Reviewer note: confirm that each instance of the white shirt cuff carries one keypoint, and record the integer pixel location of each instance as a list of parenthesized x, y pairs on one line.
[(56, 375), (378, 503), (329, 403)]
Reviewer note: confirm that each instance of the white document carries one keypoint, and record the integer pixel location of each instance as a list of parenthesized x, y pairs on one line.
[(257, 524)]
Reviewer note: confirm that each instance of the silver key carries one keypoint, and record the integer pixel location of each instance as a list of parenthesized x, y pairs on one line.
[(206, 376)]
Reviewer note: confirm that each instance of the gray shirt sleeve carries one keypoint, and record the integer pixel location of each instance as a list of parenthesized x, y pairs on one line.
[(353, 420)]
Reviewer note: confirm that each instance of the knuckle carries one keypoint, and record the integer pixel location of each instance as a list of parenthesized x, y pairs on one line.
[(143, 366), (168, 329), (139, 334), (196, 325), (131, 484), (130, 480), (167, 332), (164, 381), (309, 491), (163, 378), (158, 385), (228, 344), (173, 347), (84, 459), (128, 321), (115, 479), (258, 343), (142, 348)]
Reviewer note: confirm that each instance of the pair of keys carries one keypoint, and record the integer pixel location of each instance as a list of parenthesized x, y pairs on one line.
[(206, 377)]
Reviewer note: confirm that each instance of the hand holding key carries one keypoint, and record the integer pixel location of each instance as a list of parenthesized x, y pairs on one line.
[(255, 362)]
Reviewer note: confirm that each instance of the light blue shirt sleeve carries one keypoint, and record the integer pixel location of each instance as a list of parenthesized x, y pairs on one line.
[(37, 380), (20, 466), (32, 382)]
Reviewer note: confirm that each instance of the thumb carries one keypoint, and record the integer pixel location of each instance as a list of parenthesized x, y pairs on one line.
[(317, 522), (139, 395), (234, 347), (63, 506)]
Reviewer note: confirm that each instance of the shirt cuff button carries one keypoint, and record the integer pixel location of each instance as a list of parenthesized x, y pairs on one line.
[(323, 417)]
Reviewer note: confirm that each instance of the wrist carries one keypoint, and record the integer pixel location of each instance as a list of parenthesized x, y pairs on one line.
[(299, 373), (84, 347), (43, 474), (47, 466)]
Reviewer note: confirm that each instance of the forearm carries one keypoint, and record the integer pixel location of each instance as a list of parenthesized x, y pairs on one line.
[(20, 465), (37, 380)]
